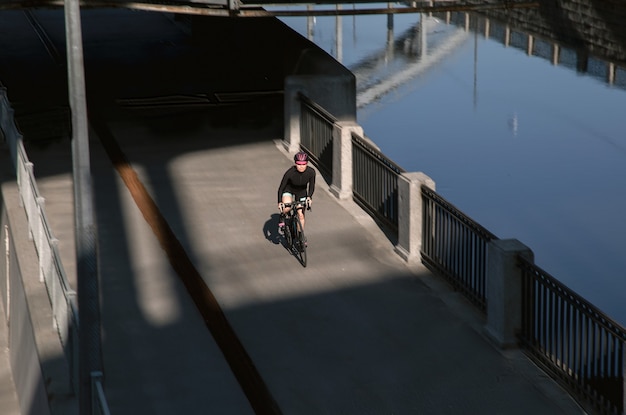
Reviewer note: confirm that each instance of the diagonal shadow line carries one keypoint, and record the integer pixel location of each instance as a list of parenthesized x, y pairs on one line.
[(237, 357)]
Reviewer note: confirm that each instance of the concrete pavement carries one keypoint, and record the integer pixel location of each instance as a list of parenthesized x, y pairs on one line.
[(355, 332)]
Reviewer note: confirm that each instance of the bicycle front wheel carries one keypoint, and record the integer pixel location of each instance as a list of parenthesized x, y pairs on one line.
[(299, 241), (288, 233)]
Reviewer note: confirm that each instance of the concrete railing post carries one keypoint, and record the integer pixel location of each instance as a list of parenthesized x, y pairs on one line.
[(504, 288), (341, 186), (410, 213), (292, 113)]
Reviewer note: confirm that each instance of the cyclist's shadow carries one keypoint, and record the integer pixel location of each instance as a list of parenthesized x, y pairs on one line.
[(270, 229)]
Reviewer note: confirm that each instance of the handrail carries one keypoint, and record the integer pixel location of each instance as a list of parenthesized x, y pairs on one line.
[(455, 246), (62, 297), (572, 339), (330, 118), (568, 337), (316, 134), (375, 182)]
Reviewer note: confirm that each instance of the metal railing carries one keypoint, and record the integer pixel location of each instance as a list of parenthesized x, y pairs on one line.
[(572, 340), (455, 246), (316, 135), (99, 404), (62, 297), (375, 182), (567, 336)]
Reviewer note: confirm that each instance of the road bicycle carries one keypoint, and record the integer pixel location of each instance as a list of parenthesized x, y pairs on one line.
[(293, 231)]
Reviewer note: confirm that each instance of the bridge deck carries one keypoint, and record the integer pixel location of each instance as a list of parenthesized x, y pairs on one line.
[(355, 332)]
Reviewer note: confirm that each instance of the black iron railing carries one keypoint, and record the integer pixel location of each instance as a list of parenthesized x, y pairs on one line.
[(375, 182), (572, 340), (567, 336), (455, 246), (316, 135)]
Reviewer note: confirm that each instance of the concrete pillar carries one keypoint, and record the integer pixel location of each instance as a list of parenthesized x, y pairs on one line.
[(341, 185), (292, 115), (410, 214), (504, 288)]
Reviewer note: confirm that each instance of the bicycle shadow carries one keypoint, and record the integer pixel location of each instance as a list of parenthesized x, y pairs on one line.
[(270, 230)]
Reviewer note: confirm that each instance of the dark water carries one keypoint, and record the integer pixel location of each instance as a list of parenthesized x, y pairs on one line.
[(530, 150)]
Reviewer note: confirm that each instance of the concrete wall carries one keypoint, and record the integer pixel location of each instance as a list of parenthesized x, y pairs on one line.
[(323, 80), (40, 370)]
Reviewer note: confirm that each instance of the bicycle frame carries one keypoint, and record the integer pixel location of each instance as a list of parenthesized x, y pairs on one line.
[(294, 232)]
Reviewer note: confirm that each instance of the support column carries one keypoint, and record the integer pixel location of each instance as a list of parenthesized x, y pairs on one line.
[(292, 113), (341, 186), (504, 288), (410, 214), (90, 355)]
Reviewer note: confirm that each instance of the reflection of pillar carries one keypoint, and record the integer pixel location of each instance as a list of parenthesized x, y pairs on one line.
[(507, 36), (339, 36), (556, 52), (467, 22), (422, 44), (389, 44), (610, 73), (310, 23), (531, 45), (354, 25), (476, 65), (487, 28)]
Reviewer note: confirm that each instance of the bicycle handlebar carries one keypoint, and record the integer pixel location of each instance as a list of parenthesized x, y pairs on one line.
[(298, 204)]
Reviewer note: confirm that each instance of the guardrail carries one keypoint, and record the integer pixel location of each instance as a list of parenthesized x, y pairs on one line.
[(574, 342), (316, 134), (455, 246), (51, 272), (375, 182)]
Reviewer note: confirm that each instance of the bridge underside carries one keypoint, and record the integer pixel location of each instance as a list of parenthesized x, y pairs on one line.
[(255, 8)]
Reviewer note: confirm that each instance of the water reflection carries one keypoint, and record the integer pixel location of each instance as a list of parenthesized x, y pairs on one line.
[(524, 133)]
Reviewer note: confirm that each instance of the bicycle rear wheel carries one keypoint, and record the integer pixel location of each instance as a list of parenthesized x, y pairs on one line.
[(299, 241)]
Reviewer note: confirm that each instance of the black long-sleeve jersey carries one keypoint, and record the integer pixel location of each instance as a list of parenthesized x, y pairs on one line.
[(295, 182)]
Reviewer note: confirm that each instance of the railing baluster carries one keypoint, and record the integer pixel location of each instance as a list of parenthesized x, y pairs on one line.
[(575, 342), (456, 247), (581, 347)]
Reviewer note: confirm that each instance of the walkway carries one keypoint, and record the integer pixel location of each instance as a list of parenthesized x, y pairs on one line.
[(355, 332)]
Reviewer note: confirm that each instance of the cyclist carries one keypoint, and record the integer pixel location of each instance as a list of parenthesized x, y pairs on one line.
[(298, 182)]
